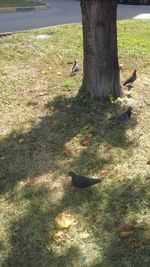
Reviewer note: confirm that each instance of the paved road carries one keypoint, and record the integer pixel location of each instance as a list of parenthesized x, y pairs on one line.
[(59, 12)]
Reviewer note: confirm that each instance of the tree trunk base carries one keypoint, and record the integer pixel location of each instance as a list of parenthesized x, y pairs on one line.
[(101, 77)]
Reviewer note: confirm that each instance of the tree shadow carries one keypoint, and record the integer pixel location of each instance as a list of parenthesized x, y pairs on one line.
[(30, 238), (126, 202), (31, 241), (37, 151)]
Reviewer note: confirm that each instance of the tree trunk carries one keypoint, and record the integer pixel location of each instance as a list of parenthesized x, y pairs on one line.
[(100, 65)]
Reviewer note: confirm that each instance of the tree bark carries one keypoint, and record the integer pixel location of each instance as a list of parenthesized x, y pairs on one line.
[(100, 65)]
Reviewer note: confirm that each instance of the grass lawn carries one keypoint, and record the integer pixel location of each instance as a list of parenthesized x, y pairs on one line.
[(18, 3), (47, 130)]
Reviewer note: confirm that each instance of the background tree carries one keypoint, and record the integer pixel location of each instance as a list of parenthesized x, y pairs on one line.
[(100, 65)]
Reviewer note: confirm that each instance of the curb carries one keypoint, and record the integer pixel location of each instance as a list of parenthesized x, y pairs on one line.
[(23, 9)]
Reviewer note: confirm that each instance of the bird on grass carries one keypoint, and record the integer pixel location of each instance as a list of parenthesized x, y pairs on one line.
[(132, 78), (83, 181), (75, 67), (125, 116)]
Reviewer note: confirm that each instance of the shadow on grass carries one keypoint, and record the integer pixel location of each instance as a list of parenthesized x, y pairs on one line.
[(30, 240), (126, 201), (29, 155), (101, 210), (36, 152)]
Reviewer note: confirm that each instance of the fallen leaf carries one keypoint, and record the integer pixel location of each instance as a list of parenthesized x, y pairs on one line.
[(68, 153), (126, 227), (94, 159), (138, 245), (121, 67), (58, 235), (63, 220), (126, 233), (123, 208), (59, 73), (2, 157), (21, 140), (139, 226), (103, 170), (49, 210), (86, 142), (85, 235), (42, 93)]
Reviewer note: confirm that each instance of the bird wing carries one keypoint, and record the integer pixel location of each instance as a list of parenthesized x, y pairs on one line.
[(128, 81), (123, 117), (82, 181)]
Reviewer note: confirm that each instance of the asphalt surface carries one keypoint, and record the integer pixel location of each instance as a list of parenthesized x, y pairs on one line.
[(59, 12)]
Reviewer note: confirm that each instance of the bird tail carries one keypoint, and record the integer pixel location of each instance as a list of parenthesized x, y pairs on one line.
[(95, 181)]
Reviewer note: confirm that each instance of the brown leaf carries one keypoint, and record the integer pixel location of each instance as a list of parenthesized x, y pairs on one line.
[(139, 226), (103, 170), (86, 142), (94, 159), (49, 210), (126, 233), (138, 245), (59, 236), (123, 208), (126, 227), (68, 153)]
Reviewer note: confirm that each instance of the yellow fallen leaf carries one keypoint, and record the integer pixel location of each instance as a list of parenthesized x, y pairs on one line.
[(63, 220)]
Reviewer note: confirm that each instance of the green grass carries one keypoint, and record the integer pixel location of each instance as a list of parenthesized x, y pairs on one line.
[(44, 124), (18, 3)]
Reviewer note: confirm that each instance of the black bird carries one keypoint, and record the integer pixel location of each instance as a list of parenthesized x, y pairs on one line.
[(131, 79), (75, 67), (125, 116), (83, 181)]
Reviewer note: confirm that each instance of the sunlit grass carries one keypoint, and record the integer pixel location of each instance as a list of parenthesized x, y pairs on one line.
[(18, 3)]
